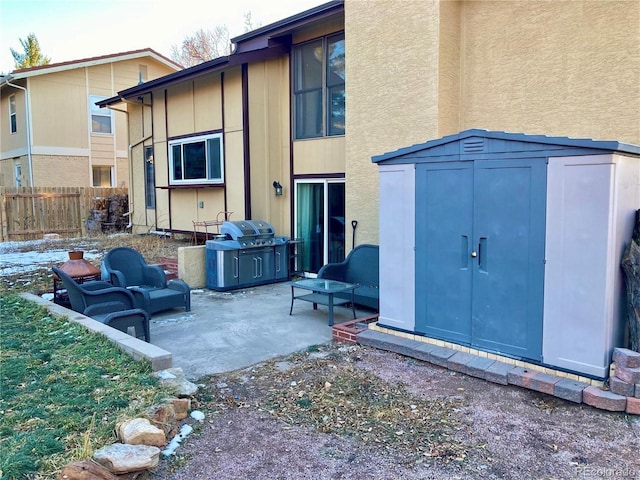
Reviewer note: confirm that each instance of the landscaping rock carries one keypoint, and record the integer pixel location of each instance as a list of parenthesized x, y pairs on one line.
[(86, 470), (175, 378), (164, 416), (120, 458), (139, 431), (181, 407)]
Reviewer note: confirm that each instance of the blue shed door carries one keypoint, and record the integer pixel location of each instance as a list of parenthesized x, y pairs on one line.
[(480, 253)]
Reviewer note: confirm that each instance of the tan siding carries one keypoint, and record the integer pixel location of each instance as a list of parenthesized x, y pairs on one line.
[(327, 27), (180, 119), (122, 173), (100, 80), (15, 141), (60, 110), (553, 68), (184, 208), (269, 131), (319, 156), (102, 152), (207, 103)]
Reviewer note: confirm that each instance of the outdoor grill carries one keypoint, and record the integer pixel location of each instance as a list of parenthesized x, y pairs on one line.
[(246, 253)]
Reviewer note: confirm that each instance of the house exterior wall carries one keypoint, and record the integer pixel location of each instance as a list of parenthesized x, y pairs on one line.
[(425, 69), (553, 68), (269, 118), (392, 93), (60, 123), (13, 144)]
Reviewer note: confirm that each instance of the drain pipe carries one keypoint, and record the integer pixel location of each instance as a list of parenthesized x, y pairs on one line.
[(28, 120)]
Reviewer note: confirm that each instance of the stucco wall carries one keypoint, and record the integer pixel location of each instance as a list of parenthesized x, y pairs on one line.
[(392, 93), (419, 70), (556, 68)]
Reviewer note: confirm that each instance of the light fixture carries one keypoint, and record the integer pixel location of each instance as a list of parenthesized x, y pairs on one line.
[(278, 188)]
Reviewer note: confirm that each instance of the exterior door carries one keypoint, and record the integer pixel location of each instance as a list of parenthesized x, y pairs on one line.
[(320, 222), (480, 253)]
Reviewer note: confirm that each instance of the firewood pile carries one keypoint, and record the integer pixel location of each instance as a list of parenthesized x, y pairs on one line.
[(108, 214)]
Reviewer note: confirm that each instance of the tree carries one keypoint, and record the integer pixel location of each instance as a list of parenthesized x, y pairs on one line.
[(32, 56), (203, 46)]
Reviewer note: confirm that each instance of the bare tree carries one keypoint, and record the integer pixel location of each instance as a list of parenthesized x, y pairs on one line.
[(202, 46)]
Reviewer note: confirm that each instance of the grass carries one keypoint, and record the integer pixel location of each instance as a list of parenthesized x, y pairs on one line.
[(63, 389)]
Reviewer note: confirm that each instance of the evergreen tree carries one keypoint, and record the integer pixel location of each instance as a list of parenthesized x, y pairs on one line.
[(32, 56)]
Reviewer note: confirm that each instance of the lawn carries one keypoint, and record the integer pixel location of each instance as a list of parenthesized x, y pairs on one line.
[(63, 389)]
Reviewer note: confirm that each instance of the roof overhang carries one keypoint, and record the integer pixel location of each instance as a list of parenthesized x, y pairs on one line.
[(93, 61), (212, 66)]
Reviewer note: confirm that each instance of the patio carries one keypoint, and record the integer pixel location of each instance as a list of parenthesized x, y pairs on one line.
[(225, 331)]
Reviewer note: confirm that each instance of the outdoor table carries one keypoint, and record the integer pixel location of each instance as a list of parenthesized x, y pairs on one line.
[(323, 292)]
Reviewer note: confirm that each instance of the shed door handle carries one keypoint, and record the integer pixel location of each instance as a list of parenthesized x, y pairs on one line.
[(474, 254)]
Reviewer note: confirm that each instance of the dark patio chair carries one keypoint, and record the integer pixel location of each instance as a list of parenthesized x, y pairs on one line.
[(113, 306), (126, 267)]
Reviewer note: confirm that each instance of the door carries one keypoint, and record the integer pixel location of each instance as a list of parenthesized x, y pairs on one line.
[(480, 253), (320, 222)]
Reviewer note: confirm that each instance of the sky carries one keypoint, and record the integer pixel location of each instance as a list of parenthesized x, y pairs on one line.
[(75, 29)]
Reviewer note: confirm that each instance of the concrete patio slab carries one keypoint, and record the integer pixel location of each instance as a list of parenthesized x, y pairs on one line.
[(226, 331)]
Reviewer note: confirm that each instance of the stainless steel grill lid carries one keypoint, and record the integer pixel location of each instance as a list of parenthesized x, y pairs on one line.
[(248, 233)]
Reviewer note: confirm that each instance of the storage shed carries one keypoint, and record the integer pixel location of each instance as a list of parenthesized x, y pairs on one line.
[(509, 243)]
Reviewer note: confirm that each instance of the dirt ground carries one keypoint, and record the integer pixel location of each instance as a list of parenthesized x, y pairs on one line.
[(353, 412)]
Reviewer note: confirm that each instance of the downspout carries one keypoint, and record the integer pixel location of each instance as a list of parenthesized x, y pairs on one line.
[(28, 120)]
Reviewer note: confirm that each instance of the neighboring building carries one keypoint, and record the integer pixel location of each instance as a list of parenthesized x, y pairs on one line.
[(308, 101), (53, 134)]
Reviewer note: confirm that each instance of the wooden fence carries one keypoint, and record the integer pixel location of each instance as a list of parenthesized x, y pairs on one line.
[(30, 213)]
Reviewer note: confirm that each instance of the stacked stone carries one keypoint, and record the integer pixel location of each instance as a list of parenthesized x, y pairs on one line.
[(625, 381)]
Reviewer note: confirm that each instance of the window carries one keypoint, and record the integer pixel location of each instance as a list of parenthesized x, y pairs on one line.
[(102, 176), (13, 122), (319, 87), (18, 172), (196, 160), (149, 179), (100, 117)]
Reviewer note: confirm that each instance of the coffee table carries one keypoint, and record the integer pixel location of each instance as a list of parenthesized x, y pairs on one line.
[(323, 292)]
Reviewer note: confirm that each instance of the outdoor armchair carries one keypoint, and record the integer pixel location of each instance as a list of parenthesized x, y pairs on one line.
[(113, 306), (361, 267), (126, 267)]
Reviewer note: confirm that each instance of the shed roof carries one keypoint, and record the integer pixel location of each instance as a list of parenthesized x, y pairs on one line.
[(477, 143)]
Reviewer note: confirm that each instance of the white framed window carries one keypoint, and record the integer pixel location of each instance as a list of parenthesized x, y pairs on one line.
[(101, 118), (196, 160), (102, 176), (13, 121)]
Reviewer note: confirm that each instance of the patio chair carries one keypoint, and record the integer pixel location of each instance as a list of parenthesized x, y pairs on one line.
[(113, 306), (126, 267)]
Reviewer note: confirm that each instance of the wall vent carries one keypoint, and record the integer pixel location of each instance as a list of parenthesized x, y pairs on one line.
[(473, 145)]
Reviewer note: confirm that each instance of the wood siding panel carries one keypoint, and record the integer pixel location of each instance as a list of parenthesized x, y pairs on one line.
[(180, 115), (207, 103)]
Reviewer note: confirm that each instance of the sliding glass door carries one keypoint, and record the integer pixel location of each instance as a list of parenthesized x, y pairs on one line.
[(320, 222)]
